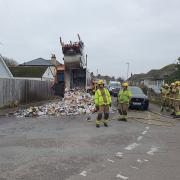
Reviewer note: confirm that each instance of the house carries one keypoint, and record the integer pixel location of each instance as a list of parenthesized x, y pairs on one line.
[(137, 79), (43, 73), (43, 62), (151, 79), (154, 78), (4, 70)]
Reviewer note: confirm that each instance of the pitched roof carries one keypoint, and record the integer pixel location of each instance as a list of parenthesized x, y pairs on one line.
[(39, 62), (161, 73), (26, 71), (5, 67), (156, 73), (137, 77)]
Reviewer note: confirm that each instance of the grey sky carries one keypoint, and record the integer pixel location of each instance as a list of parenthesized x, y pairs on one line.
[(145, 33)]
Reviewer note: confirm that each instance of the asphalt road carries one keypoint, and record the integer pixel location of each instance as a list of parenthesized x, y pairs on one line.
[(72, 148)]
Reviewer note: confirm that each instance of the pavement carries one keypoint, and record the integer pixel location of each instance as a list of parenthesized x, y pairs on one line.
[(71, 148)]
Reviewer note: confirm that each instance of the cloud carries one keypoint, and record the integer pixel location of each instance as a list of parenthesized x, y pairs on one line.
[(145, 33)]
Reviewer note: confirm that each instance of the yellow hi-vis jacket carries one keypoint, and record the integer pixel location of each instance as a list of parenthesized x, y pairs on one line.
[(124, 96), (177, 94), (99, 99), (165, 92)]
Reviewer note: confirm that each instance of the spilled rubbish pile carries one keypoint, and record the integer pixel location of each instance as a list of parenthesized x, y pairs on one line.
[(75, 102)]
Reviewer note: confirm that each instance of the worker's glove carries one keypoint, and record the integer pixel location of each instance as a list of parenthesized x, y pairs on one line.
[(97, 108)]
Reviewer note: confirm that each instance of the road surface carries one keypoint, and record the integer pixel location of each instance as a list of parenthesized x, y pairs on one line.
[(73, 149)]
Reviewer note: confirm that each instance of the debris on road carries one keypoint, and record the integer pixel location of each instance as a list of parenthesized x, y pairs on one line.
[(84, 173), (75, 102)]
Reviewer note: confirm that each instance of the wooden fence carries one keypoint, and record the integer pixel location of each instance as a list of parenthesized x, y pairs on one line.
[(23, 91)]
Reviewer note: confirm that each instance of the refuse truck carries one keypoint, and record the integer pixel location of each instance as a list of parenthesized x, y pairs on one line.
[(76, 74)]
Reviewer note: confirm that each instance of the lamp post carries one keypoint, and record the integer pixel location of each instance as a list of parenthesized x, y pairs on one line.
[(86, 73), (127, 69)]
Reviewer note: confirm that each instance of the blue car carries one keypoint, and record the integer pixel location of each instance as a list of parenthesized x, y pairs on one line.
[(138, 100)]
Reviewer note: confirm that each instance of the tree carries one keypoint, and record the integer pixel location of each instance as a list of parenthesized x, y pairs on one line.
[(99, 76), (178, 60), (92, 75), (175, 76), (120, 79), (10, 62), (113, 78)]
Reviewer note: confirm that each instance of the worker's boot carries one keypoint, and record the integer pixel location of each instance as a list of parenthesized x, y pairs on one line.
[(97, 123), (162, 109), (125, 119), (120, 118), (125, 116), (177, 115), (105, 123), (173, 113)]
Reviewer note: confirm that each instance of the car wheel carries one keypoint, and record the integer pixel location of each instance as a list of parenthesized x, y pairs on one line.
[(145, 108)]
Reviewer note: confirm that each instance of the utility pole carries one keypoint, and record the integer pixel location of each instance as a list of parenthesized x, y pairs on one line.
[(86, 73), (127, 69)]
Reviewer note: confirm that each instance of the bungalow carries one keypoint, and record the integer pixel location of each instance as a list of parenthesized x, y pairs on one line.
[(39, 62), (154, 78), (4, 70), (136, 79), (42, 73)]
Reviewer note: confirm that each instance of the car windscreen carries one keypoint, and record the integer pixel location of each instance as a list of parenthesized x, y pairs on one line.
[(114, 85), (135, 90)]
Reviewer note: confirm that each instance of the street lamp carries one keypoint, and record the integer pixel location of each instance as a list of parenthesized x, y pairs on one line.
[(127, 69), (86, 73)]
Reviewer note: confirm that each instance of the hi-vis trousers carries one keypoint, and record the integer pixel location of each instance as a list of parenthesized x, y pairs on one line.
[(104, 109), (123, 109)]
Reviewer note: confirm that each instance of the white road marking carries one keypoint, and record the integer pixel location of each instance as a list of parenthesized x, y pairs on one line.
[(146, 160), (139, 138), (139, 161), (119, 154), (134, 167), (122, 177), (131, 146), (152, 150), (110, 160), (144, 132), (147, 128), (83, 173)]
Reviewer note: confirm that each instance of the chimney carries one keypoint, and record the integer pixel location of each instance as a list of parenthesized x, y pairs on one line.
[(53, 59)]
